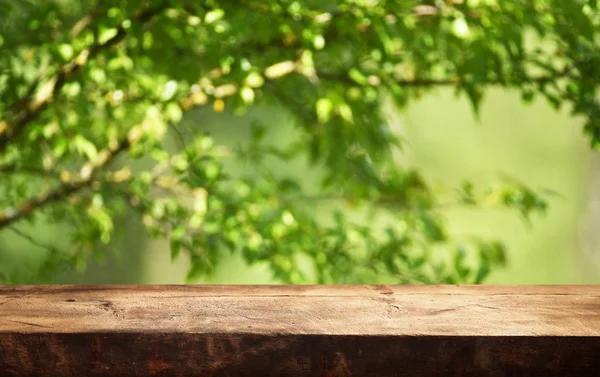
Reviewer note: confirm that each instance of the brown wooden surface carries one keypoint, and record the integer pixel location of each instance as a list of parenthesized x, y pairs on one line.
[(299, 330)]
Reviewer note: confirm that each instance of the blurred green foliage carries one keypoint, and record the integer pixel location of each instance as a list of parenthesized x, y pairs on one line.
[(89, 92)]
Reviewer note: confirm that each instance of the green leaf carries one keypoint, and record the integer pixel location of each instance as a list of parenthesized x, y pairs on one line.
[(66, 51), (254, 80), (324, 108), (214, 15), (174, 112), (432, 228), (105, 34), (482, 272), (357, 76), (247, 94), (528, 96), (175, 249), (85, 147)]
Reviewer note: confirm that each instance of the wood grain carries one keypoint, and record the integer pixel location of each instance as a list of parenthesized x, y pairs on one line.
[(195, 330)]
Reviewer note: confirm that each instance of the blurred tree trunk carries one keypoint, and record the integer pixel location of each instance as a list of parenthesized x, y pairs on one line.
[(589, 235)]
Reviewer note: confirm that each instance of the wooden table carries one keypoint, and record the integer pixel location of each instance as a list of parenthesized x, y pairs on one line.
[(196, 330)]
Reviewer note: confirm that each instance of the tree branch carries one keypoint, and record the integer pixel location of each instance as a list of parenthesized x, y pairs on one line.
[(13, 214), (425, 82), (30, 170), (29, 238), (34, 106)]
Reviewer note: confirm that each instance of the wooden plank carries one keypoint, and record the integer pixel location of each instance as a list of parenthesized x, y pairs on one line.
[(195, 330)]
